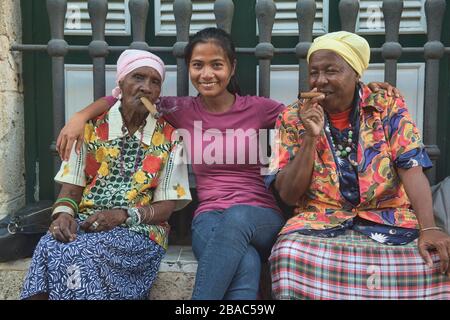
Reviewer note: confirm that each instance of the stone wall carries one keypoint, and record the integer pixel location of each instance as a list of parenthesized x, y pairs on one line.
[(12, 168)]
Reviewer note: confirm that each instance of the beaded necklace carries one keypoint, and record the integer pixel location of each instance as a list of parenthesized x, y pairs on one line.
[(343, 149), (122, 151)]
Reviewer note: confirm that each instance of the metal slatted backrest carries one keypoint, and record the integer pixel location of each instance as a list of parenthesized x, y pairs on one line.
[(265, 11)]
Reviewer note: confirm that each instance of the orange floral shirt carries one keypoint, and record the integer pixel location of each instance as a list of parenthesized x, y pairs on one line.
[(387, 135)]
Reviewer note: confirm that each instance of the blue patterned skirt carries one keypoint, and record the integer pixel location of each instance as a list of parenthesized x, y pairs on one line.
[(116, 264)]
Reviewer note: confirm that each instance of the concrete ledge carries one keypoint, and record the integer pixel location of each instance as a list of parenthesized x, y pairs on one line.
[(12, 275), (175, 279), (176, 275)]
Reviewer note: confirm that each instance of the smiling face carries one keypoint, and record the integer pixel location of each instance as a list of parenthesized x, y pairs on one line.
[(141, 82), (210, 69), (332, 75)]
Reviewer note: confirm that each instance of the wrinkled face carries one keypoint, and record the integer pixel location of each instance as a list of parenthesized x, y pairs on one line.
[(210, 69), (141, 82), (332, 75)]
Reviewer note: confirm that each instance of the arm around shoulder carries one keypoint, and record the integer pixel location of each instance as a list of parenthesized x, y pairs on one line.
[(73, 130)]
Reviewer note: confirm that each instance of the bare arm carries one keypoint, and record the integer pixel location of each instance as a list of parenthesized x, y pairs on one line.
[(64, 227), (109, 219), (163, 211), (419, 193), (293, 181), (74, 128)]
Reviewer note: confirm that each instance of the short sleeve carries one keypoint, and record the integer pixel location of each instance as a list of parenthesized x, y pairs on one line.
[(172, 109), (111, 100), (414, 158), (72, 171), (270, 112), (286, 142), (404, 138), (173, 182)]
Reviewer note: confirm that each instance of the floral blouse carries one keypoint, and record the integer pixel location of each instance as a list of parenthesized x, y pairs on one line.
[(119, 170), (387, 139)]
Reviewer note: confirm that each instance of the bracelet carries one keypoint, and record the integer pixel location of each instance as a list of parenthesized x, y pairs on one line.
[(139, 217), (152, 213), (71, 201), (430, 228), (143, 213), (63, 209)]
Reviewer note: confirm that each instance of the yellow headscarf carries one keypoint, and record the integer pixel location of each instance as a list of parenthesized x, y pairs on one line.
[(351, 47)]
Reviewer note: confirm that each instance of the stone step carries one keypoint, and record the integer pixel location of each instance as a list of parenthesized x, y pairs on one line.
[(175, 279)]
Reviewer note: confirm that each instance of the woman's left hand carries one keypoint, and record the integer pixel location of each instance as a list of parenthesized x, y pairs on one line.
[(104, 220), (435, 240), (391, 90)]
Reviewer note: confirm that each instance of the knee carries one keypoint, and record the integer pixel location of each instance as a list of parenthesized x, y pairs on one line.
[(250, 263)]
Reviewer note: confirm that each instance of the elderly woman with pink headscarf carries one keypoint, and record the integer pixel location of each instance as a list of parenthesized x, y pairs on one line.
[(109, 230)]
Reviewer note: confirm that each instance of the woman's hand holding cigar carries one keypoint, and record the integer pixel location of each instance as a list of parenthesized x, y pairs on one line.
[(312, 114)]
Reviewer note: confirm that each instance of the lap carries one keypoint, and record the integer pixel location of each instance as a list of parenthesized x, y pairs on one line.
[(117, 264), (256, 225), (352, 266)]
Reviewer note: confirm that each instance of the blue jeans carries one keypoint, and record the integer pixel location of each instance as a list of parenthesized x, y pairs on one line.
[(229, 246)]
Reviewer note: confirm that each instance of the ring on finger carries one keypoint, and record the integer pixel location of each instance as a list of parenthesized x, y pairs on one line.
[(95, 225)]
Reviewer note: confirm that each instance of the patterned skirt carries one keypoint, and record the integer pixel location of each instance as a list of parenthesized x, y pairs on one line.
[(116, 264), (351, 267)]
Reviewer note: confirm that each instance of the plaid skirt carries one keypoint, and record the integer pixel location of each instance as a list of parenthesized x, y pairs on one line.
[(352, 267)]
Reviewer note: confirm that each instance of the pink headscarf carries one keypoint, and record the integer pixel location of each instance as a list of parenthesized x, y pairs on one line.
[(132, 59)]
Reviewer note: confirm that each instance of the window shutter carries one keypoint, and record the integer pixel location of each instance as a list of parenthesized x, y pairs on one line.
[(370, 19), (202, 16), (78, 23), (286, 18)]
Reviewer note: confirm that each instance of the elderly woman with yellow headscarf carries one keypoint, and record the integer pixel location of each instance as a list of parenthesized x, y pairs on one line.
[(351, 162), (109, 230)]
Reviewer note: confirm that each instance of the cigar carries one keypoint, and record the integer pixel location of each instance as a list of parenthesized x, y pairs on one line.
[(309, 95), (150, 106)]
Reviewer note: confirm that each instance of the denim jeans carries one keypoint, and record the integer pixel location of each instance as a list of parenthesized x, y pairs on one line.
[(229, 246)]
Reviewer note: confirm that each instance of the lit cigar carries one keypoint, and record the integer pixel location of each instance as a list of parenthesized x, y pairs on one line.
[(150, 106), (309, 95)]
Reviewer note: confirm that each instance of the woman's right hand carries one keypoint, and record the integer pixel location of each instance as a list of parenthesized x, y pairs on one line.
[(312, 116), (64, 228), (72, 131)]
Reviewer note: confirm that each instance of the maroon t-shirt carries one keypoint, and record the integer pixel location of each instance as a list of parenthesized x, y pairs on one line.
[(225, 148)]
